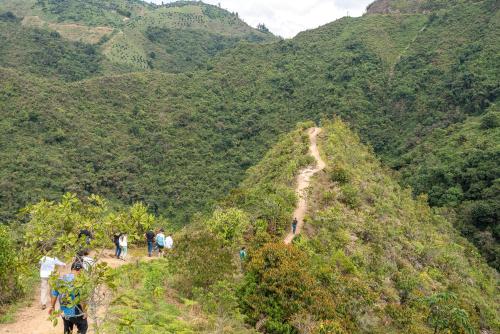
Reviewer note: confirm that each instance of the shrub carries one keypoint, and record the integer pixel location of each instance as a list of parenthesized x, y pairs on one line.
[(490, 121), (8, 277), (200, 260), (339, 174), (350, 196), (228, 225), (278, 285), (329, 327), (445, 316)]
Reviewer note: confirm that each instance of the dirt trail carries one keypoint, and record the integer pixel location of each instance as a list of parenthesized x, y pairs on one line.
[(303, 181), (33, 320)]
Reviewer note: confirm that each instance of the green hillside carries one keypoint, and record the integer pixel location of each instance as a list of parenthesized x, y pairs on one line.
[(137, 36), (181, 141), (412, 6), (152, 144), (44, 53), (372, 259), (458, 167)]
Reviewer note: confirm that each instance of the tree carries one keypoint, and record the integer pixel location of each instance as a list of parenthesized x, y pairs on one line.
[(278, 286), (228, 225), (262, 28), (53, 229), (9, 287), (445, 315)]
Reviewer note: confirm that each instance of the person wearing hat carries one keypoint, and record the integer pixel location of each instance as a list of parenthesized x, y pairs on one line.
[(73, 313)]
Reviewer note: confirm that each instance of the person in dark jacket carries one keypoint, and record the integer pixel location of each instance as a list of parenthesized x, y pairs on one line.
[(294, 225), (116, 240), (150, 239)]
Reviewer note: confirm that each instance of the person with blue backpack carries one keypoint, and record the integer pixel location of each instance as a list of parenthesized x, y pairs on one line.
[(73, 310), (160, 242)]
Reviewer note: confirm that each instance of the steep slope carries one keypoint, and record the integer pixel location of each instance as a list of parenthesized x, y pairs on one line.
[(458, 167), (154, 143), (371, 259), (412, 6), (45, 53), (137, 36)]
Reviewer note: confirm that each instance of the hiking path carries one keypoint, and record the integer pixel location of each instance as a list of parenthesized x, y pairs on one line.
[(33, 320), (303, 181)]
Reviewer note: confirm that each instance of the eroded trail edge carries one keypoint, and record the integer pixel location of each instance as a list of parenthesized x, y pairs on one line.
[(303, 181)]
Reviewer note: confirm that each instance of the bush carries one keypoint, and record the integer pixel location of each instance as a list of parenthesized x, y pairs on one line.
[(490, 121), (339, 174), (329, 327), (9, 287), (200, 260), (228, 225), (350, 196), (278, 286)]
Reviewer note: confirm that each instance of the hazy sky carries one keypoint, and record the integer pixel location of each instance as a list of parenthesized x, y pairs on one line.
[(289, 17)]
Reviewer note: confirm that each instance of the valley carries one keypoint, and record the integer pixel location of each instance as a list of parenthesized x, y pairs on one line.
[(380, 133)]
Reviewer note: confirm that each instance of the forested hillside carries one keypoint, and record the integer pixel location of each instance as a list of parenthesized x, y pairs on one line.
[(127, 35), (406, 79), (371, 258)]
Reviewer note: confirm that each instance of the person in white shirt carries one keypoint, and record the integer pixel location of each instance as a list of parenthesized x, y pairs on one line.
[(47, 267), (169, 243), (85, 259), (123, 241)]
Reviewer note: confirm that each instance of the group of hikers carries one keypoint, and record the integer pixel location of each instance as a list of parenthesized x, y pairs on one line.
[(156, 241), (76, 315)]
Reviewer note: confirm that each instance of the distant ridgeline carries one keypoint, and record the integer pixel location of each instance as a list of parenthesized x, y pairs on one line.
[(135, 35), (209, 95)]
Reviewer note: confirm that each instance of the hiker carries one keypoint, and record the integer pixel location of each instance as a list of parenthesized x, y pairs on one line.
[(86, 234), (160, 242), (116, 241), (243, 254), (73, 315), (150, 239), (84, 258), (169, 243), (123, 242), (294, 225), (47, 267)]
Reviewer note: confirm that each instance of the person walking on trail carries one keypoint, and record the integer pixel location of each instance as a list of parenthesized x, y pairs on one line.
[(116, 241), (243, 254), (169, 243), (160, 242), (294, 225), (150, 239), (85, 259), (73, 310), (47, 267), (85, 233), (123, 242)]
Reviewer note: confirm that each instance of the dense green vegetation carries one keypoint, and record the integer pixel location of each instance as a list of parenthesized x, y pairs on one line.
[(149, 145), (372, 259), (9, 288), (132, 35), (92, 12), (458, 167), (180, 142), (45, 53)]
